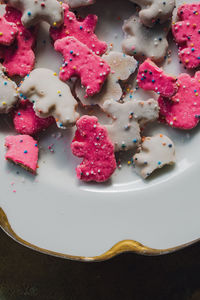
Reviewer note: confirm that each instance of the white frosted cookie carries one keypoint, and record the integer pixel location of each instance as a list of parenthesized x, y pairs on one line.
[(50, 97), (8, 93), (122, 66), (79, 3), (155, 11), (154, 153), (124, 131), (142, 42), (35, 11)]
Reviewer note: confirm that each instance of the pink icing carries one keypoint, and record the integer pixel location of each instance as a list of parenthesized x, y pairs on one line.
[(152, 78), (8, 32), (23, 150), (82, 30), (80, 61), (183, 111), (93, 144), (26, 121), (19, 58), (187, 34)]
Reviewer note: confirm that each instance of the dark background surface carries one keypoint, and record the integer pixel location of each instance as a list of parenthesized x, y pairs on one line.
[(25, 274)]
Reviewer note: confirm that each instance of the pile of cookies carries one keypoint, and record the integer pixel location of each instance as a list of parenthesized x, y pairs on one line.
[(43, 97)]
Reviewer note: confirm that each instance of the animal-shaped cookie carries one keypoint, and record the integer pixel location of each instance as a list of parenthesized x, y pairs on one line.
[(23, 151), (8, 93), (152, 78), (26, 121), (82, 30), (18, 58), (122, 66), (50, 97), (8, 32), (154, 153), (35, 11), (93, 144), (143, 42), (183, 110), (155, 11), (187, 34), (79, 3), (81, 62), (128, 117)]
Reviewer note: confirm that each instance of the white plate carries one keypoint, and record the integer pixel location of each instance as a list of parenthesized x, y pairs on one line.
[(56, 214)]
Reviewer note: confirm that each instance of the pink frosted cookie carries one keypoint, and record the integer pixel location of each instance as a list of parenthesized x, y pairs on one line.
[(183, 110), (82, 30), (187, 34), (8, 32), (23, 151), (80, 61), (19, 58), (152, 78), (26, 121), (93, 144)]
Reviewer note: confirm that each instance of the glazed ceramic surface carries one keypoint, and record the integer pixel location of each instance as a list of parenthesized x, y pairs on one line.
[(58, 213)]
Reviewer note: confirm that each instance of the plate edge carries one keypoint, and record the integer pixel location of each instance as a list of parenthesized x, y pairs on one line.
[(118, 248)]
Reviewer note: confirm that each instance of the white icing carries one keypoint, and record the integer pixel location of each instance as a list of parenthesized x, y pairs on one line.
[(124, 132), (79, 3), (142, 42), (35, 11), (152, 10), (8, 93), (122, 66), (154, 153), (51, 97)]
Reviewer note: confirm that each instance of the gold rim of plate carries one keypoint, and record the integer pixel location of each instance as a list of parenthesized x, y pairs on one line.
[(119, 248)]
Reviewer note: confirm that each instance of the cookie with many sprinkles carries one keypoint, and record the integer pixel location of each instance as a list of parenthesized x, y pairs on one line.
[(92, 142), (80, 61), (19, 57), (82, 30), (186, 33), (152, 78), (183, 109)]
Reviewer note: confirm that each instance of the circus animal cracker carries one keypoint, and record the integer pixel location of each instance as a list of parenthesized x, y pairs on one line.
[(82, 30), (34, 12), (8, 93), (125, 131), (18, 58), (122, 66), (152, 78), (187, 34), (80, 61), (154, 153), (8, 32), (183, 110), (155, 11), (50, 97), (26, 121), (143, 42), (79, 3), (23, 151), (93, 144)]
